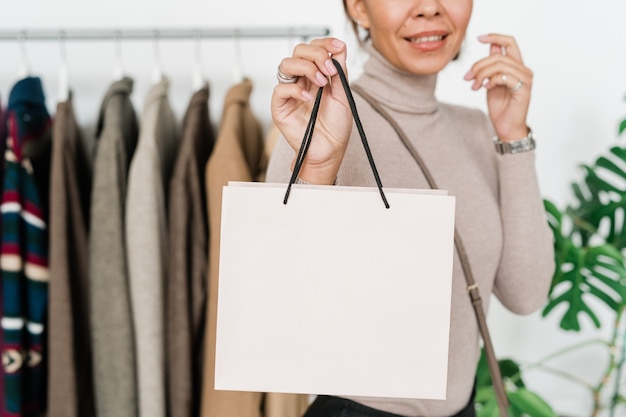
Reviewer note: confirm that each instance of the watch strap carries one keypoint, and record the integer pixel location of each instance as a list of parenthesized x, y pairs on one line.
[(516, 146)]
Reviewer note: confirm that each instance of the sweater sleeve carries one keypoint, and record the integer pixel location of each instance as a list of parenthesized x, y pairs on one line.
[(527, 262)]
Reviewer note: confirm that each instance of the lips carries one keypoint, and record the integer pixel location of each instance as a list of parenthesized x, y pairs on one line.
[(432, 38), (428, 41)]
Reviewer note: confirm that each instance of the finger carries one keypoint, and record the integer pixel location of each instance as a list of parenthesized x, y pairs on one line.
[(502, 45), (312, 61), (288, 95), (300, 67), (494, 64), (319, 51), (338, 52), (503, 75), (511, 81)]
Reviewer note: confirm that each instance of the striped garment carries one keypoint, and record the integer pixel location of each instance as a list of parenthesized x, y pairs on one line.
[(24, 250)]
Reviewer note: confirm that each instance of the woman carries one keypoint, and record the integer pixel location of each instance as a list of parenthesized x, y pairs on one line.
[(499, 212)]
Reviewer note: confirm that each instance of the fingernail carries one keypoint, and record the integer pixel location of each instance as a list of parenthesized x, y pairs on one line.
[(307, 96), (483, 37), (338, 44), (321, 80), (330, 67), (469, 75)]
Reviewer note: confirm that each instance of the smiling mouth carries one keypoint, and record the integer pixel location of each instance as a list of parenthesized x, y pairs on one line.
[(423, 39)]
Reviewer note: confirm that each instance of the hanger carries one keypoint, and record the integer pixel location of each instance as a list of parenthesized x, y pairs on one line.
[(197, 78), (238, 68), (118, 69), (24, 69), (64, 76), (157, 72)]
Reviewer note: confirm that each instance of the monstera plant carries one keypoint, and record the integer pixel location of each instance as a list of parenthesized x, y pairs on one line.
[(589, 284)]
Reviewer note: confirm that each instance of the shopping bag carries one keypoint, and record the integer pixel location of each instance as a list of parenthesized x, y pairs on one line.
[(333, 293)]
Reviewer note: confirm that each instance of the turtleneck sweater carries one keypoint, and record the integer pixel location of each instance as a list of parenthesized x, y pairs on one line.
[(499, 209)]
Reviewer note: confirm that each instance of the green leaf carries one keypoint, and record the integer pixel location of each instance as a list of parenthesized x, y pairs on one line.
[(529, 403), (511, 370), (618, 151), (482, 371), (614, 305), (585, 266), (486, 402), (596, 183), (485, 394), (622, 126), (554, 214), (610, 166)]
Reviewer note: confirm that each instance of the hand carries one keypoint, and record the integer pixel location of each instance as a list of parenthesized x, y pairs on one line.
[(292, 103), (508, 83)]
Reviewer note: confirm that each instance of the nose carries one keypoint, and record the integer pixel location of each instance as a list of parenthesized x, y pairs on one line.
[(427, 8)]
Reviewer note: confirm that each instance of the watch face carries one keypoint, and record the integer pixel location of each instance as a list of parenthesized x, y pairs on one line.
[(518, 146), (521, 146)]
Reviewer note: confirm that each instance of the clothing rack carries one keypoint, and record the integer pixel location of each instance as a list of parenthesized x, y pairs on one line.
[(303, 32)]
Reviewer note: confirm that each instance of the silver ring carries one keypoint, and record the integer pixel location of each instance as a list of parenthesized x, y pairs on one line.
[(517, 86), (503, 79), (503, 50), (285, 78)]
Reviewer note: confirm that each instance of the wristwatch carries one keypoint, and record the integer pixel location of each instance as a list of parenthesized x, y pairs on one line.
[(516, 146)]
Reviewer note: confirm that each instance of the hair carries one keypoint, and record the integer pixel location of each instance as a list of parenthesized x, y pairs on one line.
[(356, 27)]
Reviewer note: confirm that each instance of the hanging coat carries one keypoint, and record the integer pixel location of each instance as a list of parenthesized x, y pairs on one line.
[(24, 253), (146, 243), (238, 156), (110, 309), (2, 144), (188, 245), (70, 381)]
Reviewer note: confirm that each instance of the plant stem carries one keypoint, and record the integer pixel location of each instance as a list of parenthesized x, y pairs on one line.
[(597, 401), (563, 374), (568, 349), (616, 392)]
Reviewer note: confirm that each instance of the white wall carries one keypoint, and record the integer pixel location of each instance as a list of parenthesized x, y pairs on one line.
[(576, 49)]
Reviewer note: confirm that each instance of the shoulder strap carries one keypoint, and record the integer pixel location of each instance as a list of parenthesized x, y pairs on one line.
[(472, 287)]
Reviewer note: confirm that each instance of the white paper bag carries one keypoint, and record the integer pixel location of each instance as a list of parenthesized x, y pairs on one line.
[(333, 293)]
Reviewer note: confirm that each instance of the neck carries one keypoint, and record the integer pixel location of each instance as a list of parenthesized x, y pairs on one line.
[(399, 90)]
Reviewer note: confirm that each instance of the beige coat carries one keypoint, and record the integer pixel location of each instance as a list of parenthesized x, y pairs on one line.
[(238, 156), (146, 244)]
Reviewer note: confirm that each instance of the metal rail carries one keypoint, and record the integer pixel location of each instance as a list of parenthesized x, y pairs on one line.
[(160, 34)]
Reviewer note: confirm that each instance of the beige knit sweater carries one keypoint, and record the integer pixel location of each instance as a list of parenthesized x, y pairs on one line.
[(499, 212)]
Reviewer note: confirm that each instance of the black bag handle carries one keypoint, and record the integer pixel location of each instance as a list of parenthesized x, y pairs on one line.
[(308, 134)]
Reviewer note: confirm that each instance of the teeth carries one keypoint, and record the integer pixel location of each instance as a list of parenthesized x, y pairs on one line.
[(426, 39)]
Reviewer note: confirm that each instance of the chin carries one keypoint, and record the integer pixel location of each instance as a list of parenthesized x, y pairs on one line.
[(425, 68)]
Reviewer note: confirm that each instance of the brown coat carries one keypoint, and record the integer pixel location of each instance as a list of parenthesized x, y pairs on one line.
[(188, 245), (70, 383), (238, 156)]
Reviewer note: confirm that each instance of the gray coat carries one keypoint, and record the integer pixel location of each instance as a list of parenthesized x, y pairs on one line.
[(111, 321)]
